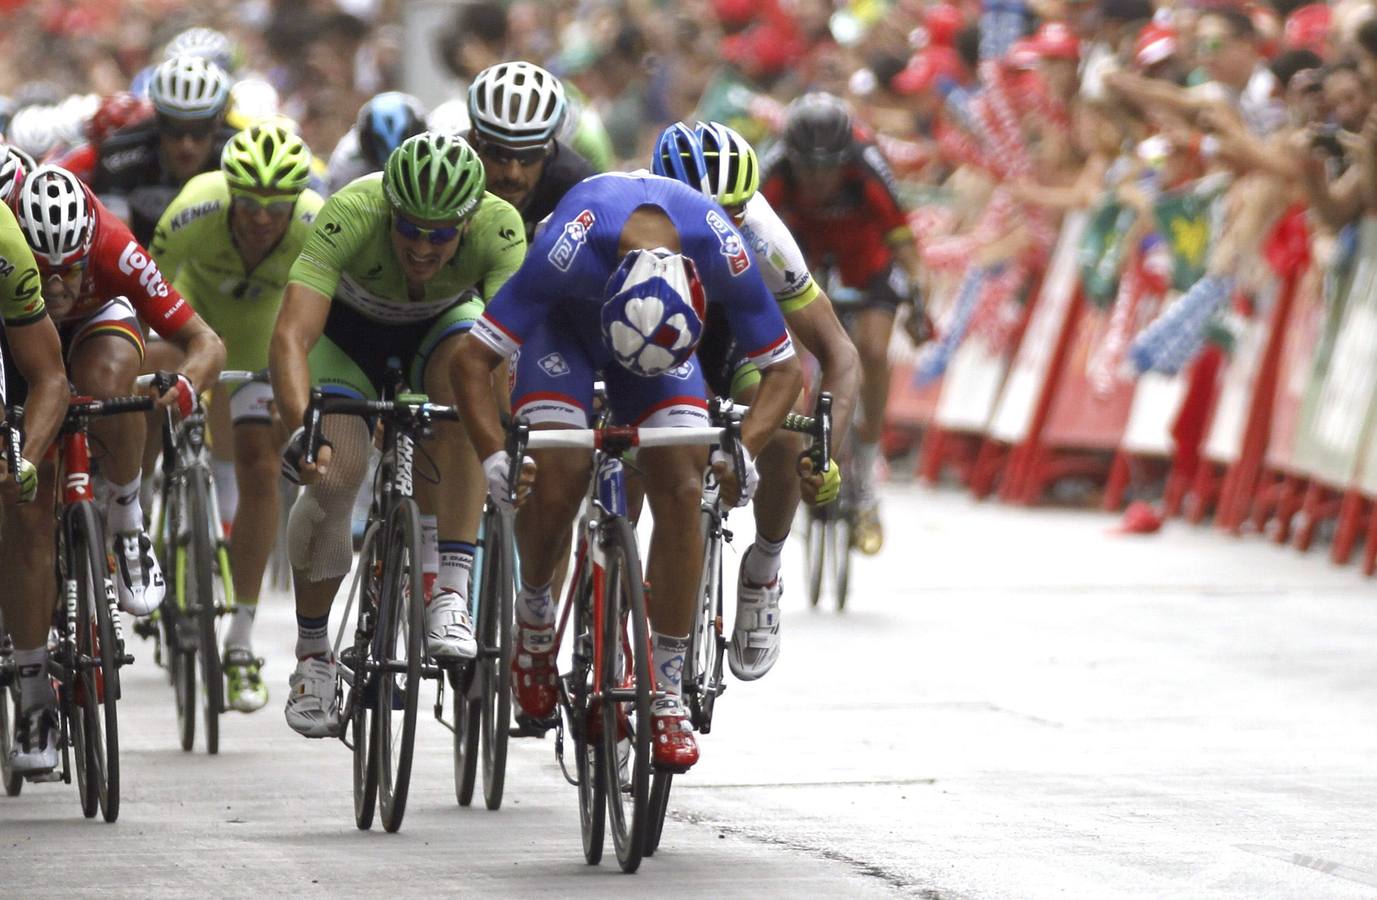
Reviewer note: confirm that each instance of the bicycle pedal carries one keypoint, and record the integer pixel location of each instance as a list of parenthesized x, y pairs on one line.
[(43, 777)]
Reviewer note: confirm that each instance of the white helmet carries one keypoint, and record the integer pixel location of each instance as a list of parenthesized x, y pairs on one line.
[(72, 116), (189, 87), (450, 117), (206, 43), (34, 130), (516, 103), (14, 165), (55, 215), (253, 101)]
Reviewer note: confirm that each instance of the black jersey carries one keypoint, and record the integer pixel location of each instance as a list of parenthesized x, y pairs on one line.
[(563, 169), (129, 175)]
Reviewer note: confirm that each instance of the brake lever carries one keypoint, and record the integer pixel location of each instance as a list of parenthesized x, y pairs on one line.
[(517, 438), (312, 425)]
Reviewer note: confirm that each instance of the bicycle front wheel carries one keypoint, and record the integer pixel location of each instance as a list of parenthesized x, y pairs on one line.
[(97, 662), (358, 712), (815, 553), (495, 654), (9, 714), (397, 654), (201, 578), (626, 687), (588, 768)]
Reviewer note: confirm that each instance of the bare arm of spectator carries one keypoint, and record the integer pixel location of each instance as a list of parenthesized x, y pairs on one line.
[(1336, 203), (1080, 194), (1152, 94), (1238, 146), (1369, 165)]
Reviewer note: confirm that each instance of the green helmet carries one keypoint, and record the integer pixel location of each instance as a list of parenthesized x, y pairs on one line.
[(435, 178), (266, 158)]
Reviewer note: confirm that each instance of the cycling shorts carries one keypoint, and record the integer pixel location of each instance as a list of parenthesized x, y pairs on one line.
[(116, 317), (552, 382)]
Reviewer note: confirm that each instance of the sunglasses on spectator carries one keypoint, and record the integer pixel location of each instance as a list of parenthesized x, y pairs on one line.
[(524, 157), (413, 232), (174, 128), (275, 206)]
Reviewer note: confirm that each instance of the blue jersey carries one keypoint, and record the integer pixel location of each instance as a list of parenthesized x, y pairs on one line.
[(565, 273)]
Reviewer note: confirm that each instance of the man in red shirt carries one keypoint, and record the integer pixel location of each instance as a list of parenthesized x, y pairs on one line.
[(836, 194), (98, 281)]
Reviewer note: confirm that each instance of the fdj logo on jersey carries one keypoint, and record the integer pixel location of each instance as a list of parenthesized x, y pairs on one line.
[(574, 237), (738, 260)]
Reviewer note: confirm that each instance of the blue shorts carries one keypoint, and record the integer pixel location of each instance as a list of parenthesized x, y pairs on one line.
[(552, 381)]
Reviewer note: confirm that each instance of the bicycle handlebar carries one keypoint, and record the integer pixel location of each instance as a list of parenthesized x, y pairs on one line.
[(414, 408)]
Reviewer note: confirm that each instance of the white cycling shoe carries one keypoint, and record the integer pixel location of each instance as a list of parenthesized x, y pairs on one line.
[(449, 628), (755, 635), (139, 580), (313, 701), (35, 741)]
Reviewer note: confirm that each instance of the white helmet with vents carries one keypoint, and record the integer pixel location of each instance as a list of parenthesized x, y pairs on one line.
[(55, 215), (189, 87), (516, 103)]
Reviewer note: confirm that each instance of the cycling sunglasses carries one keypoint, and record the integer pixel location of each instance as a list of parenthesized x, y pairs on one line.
[(275, 206), (413, 232), (61, 270), (176, 128), (524, 157)]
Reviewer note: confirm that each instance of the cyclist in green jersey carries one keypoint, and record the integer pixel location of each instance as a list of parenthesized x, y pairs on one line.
[(228, 242), (398, 267), (33, 365)]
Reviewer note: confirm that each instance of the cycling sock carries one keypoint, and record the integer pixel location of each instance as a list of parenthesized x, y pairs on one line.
[(430, 552), (35, 687), (126, 509), (669, 652), (456, 567), (866, 454), (226, 488), (312, 636), (761, 562), (241, 624), (534, 608)]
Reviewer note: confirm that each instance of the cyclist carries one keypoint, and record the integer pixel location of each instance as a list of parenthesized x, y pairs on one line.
[(116, 111), (228, 242), (517, 109), (620, 243), (34, 377), (398, 266), (717, 161), (383, 123), (98, 281), (143, 166), (836, 194)]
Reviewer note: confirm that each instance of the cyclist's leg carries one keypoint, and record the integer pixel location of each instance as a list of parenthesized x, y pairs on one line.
[(674, 488), (220, 430), (457, 501), (552, 388), (873, 326), (256, 466), (106, 353)]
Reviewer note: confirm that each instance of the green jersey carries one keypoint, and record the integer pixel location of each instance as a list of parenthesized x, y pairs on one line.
[(349, 257), (21, 297), (195, 249)]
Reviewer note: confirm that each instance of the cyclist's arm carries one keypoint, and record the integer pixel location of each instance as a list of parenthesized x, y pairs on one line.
[(816, 327), (204, 351), (300, 323), (37, 355), (474, 363)]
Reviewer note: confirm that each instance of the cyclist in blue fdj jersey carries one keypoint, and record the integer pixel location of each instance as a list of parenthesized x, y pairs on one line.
[(623, 253)]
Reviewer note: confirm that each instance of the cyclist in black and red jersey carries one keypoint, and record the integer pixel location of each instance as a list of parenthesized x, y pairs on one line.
[(835, 192)]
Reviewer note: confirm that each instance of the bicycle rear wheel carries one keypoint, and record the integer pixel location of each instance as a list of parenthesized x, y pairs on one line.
[(9, 714), (592, 783), (626, 687), (398, 652), (495, 654), (659, 806), (97, 663), (201, 562), (363, 600)]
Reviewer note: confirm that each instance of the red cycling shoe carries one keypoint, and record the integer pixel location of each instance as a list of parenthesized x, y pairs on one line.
[(534, 672), (674, 748)]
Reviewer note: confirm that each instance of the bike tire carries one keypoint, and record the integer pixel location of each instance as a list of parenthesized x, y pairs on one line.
[(184, 694), (660, 786), (9, 714), (592, 785), (842, 553), (202, 577), (703, 674), (99, 653), (815, 555), (401, 616), (360, 720), (495, 659), (468, 718), (630, 677)]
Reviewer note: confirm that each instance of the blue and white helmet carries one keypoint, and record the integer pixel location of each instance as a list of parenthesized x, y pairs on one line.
[(653, 316), (385, 122), (679, 155)]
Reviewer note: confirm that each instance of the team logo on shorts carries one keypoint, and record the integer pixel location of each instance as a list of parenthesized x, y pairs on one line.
[(554, 365), (681, 372), (738, 260), (572, 240)]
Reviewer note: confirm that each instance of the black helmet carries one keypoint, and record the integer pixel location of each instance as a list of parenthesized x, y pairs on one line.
[(818, 131)]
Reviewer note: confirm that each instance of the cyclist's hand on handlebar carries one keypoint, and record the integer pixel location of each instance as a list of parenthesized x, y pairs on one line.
[(295, 469), (737, 487), (497, 469), (818, 488), (24, 486), (181, 396)]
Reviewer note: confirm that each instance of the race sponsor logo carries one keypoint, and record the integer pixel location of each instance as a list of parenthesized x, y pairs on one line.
[(192, 213), (329, 230), (738, 259), (27, 291), (554, 365), (572, 240), (681, 372), (308, 217), (124, 159), (493, 336), (6, 268), (508, 235), (389, 309), (133, 261)]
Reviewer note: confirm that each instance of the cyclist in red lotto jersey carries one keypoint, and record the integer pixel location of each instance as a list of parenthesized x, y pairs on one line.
[(98, 281), (836, 194)]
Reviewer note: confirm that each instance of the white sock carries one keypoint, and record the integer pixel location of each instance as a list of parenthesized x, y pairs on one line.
[(240, 632), (430, 546), (534, 606), (669, 653), (126, 509), (35, 688), (226, 488), (456, 567), (866, 455), (761, 563)]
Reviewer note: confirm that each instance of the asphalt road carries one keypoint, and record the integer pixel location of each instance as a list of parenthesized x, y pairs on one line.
[(1016, 704)]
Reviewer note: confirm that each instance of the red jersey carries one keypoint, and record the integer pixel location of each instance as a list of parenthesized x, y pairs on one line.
[(119, 266), (80, 161), (854, 227)]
